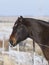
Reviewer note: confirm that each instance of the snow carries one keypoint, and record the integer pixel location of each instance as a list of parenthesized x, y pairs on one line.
[(40, 60), (22, 57), (26, 58)]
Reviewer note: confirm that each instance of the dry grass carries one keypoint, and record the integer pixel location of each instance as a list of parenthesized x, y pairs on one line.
[(7, 61)]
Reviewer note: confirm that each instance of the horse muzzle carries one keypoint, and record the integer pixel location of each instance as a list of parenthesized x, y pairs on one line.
[(12, 41)]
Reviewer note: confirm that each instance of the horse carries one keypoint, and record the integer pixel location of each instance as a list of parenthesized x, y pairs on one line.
[(36, 29)]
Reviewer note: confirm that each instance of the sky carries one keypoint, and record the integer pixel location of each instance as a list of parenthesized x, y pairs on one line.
[(24, 7)]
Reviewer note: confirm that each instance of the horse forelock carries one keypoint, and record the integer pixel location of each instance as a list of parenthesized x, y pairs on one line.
[(19, 20)]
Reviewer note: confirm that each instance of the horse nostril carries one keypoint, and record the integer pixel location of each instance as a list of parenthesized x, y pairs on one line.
[(11, 42)]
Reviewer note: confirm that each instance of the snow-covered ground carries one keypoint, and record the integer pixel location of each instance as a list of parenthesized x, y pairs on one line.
[(28, 58), (39, 60), (22, 57), (25, 58)]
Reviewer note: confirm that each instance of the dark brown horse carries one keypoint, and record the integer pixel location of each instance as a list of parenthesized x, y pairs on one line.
[(38, 30)]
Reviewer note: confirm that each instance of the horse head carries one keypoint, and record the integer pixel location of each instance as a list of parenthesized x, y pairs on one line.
[(19, 32)]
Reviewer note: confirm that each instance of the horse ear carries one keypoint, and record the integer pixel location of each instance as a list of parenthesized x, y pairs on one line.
[(20, 18)]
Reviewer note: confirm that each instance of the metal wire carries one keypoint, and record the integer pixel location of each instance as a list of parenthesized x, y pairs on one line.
[(44, 45)]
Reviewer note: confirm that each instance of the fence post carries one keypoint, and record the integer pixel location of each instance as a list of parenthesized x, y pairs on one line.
[(33, 52)]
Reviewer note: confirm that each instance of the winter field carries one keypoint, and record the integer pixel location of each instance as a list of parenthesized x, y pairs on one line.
[(21, 54)]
